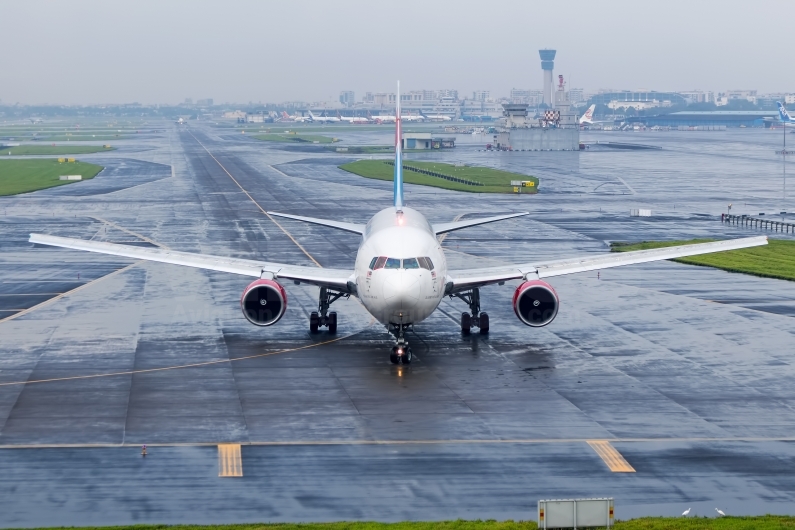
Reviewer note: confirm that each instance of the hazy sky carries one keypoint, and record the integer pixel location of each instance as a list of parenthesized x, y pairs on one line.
[(238, 51)]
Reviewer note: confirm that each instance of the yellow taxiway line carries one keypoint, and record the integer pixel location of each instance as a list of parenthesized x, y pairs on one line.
[(611, 456), (230, 462)]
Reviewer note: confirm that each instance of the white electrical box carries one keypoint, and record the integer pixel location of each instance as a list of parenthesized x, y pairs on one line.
[(575, 513)]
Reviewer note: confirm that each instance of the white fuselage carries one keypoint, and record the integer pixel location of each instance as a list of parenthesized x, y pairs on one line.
[(404, 291)]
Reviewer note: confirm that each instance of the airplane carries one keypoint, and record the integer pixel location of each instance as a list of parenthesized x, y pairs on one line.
[(382, 118), (784, 115), (411, 117), (352, 119), (400, 273), (322, 119), (587, 118), (34, 121), (435, 117), (287, 118)]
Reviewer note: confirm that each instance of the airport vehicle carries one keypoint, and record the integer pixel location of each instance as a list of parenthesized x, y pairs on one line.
[(435, 117), (323, 118), (400, 273), (352, 119)]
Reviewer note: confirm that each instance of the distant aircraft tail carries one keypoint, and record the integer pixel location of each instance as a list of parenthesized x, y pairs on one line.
[(588, 116), (782, 112), (398, 184), (285, 115)]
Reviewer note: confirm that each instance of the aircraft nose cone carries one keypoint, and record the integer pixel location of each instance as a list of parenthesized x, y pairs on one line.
[(402, 290)]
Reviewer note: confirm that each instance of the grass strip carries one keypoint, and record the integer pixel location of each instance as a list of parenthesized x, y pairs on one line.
[(42, 150), (23, 176), (493, 180), (774, 260), (296, 138), (765, 522)]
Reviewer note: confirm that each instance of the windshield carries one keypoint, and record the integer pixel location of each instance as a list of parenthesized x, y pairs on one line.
[(410, 263), (392, 263)]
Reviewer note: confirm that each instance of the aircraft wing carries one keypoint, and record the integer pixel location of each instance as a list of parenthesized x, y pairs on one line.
[(441, 228), (348, 227), (334, 278), (466, 279)]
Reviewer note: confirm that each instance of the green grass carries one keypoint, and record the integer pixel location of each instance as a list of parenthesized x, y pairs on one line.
[(23, 176), (494, 180), (53, 150), (295, 138), (766, 522), (774, 260)]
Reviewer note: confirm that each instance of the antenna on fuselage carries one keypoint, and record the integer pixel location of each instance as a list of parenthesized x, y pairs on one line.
[(398, 180)]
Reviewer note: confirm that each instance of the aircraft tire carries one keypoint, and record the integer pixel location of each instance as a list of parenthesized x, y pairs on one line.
[(314, 322), (484, 323), (466, 323), (332, 322)]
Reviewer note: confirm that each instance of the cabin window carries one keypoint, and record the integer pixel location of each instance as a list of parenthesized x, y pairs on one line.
[(392, 263), (410, 263), (379, 263), (372, 262)]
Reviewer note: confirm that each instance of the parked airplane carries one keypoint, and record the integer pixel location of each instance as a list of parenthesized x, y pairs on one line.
[(587, 118), (382, 118), (323, 119), (352, 119), (34, 121), (435, 117), (287, 118), (784, 115), (400, 273)]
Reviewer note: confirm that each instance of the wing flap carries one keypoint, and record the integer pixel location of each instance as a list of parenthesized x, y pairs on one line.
[(335, 278)]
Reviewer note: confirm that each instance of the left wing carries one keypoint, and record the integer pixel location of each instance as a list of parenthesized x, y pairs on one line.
[(337, 279), (466, 279), (340, 225), (441, 228)]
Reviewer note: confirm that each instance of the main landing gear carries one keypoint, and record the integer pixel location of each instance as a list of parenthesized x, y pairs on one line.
[(401, 351), (324, 317), (476, 319)]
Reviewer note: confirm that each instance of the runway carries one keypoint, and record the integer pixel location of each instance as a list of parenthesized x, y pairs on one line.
[(662, 385)]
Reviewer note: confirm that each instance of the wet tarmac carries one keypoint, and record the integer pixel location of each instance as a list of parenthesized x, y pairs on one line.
[(685, 370)]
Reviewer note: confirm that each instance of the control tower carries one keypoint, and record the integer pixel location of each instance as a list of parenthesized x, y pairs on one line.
[(547, 65)]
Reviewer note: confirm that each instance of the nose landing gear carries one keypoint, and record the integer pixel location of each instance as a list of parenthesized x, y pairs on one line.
[(476, 319), (324, 317), (401, 351)]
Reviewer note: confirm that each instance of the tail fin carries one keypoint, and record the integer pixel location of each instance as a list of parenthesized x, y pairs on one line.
[(588, 116), (782, 112), (398, 184), (285, 115)]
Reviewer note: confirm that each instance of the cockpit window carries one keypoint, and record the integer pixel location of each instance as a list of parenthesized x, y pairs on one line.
[(372, 262), (379, 262), (392, 263), (426, 263), (410, 263)]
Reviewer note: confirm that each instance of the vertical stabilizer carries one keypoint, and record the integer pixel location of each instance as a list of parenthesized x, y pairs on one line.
[(398, 191)]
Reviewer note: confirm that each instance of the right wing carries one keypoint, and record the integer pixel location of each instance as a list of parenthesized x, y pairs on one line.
[(348, 227), (441, 228), (337, 279), (461, 280)]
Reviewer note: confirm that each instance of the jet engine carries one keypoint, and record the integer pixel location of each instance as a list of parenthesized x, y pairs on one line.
[(536, 303), (263, 302)]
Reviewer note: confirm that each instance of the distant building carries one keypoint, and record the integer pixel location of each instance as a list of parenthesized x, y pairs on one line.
[(481, 95), (208, 102), (448, 93), (235, 114), (347, 98), (748, 95), (641, 99), (698, 96), (188, 101), (789, 99), (576, 95)]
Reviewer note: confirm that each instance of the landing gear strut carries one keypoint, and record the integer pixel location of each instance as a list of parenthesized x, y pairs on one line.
[(476, 319), (401, 351), (324, 317)]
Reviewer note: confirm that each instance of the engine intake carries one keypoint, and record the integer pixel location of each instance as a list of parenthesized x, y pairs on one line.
[(263, 302), (536, 303)]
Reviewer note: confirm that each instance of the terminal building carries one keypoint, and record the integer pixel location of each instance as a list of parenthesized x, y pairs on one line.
[(727, 118)]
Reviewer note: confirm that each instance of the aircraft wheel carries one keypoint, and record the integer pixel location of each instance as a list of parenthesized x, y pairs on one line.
[(484, 323), (314, 322), (393, 357), (407, 357), (332, 322), (466, 323)]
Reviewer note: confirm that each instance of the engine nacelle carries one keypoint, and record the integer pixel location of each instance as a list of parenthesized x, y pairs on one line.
[(263, 302), (536, 303)]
